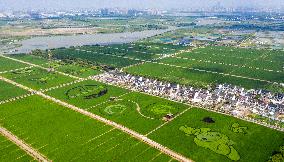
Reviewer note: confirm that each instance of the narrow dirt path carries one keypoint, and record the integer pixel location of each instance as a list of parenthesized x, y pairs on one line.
[(39, 66), (28, 149), (134, 134), (138, 109)]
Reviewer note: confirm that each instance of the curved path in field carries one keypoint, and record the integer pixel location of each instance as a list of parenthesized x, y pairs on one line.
[(106, 121), (134, 134), (139, 110)]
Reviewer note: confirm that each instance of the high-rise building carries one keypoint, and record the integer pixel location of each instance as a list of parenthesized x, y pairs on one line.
[(104, 12)]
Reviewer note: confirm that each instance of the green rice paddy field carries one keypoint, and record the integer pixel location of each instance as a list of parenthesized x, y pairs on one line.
[(78, 70), (77, 94), (37, 78), (126, 111), (137, 111), (96, 58), (212, 65), (30, 58), (117, 55), (256, 143), (136, 50), (7, 64), (190, 77), (11, 152), (6, 87), (69, 68), (65, 135)]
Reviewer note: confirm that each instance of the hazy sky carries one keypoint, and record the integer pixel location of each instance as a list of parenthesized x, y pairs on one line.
[(168, 4)]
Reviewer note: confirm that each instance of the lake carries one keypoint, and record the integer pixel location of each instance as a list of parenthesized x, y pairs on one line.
[(79, 40)]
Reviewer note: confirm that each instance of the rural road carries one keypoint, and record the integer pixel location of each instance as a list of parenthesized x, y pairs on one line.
[(134, 134), (31, 151)]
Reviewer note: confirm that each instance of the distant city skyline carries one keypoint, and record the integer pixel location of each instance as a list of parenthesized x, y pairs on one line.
[(139, 4)]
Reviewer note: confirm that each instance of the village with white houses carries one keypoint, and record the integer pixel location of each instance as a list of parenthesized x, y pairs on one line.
[(224, 98)]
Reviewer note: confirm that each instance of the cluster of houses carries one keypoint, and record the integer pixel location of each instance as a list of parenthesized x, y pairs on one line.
[(225, 98)]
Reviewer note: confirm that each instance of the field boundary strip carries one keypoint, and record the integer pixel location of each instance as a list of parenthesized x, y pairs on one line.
[(225, 64), (98, 136), (162, 56), (137, 59), (139, 63), (97, 146), (238, 57), (126, 57), (118, 144), (15, 98), (122, 128), (244, 65), (64, 85), (39, 66), (160, 126), (28, 149), (174, 54), (14, 70), (157, 155), (214, 72), (118, 97), (63, 145), (106, 54), (195, 69)]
